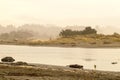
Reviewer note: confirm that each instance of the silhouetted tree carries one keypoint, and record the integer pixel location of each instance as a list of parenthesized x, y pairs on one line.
[(66, 33), (89, 30), (69, 32), (7, 59)]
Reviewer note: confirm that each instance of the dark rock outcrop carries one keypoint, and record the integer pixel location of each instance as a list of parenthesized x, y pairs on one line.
[(21, 63), (76, 66), (7, 59)]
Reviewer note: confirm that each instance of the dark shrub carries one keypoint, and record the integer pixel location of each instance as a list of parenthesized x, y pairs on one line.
[(114, 63), (93, 43), (21, 63), (106, 42), (68, 32), (7, 59), (76, 66)]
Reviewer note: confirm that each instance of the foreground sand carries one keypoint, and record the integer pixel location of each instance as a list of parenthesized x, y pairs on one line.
[(49, 72)]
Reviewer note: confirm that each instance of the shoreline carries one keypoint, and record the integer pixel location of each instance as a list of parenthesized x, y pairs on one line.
[(68, 46), (102, 47), (53, 72)]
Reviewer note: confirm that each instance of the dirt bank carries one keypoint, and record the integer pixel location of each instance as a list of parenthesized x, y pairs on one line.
[(49, 72)]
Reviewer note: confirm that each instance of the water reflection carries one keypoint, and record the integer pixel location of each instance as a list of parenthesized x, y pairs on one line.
[(88, 57)]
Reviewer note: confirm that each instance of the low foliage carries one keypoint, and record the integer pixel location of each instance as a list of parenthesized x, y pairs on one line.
[(69, 32), (7, 59)]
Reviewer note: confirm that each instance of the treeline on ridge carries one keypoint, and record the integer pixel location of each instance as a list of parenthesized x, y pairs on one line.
[(16, 35), (69, 32)]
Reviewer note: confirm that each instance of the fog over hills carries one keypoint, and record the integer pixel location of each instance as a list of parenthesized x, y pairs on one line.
[(52, 31)]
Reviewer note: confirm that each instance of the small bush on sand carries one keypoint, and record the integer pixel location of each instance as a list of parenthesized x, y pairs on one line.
[(21, 63), (76, 66), (106, 42), (7, 59)]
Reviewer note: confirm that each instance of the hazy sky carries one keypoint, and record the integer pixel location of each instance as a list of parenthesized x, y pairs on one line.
[(60, 12)]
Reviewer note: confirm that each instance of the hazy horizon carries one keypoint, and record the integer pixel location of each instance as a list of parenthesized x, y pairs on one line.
[(60, 12)]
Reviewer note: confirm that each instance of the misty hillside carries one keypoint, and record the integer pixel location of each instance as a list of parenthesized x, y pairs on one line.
[(7, 29), (107, 30), (42, 31), (48, 31), (38, 31), (16, 35)]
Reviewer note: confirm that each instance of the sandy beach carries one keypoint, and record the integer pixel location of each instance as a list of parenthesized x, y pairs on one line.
[(51, 72)]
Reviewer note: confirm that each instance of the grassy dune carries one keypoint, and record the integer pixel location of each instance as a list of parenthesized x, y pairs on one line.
[(93, 40), (96, 40)]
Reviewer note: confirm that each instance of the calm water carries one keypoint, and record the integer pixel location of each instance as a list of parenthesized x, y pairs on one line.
[(64, 56)]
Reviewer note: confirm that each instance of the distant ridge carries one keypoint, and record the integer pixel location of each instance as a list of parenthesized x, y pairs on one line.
[(52, 31)]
